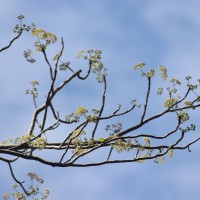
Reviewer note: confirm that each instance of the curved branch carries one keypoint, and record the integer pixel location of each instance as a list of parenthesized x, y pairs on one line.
[(88, 72), (17, 181), (11, 42), (40, 109)]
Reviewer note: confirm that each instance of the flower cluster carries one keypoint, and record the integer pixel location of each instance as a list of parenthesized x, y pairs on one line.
[(170, 153), (188, 103), (34, 189), (175, 81), (34, 90), (160, 160), (159, 91), (28, 55), (139, 66), (78, 132), (38, 143), (80, 55), (184, 117), (163, 72), (23, 139), (147, 141), (81, 111), (43, 35), (21, 27), (92, 118), (120, 145), (150, 74), (94, 58), (169, 102), (34, 176), (115, 128)]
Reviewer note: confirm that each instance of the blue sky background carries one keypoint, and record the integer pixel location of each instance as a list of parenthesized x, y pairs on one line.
[(130, 31)]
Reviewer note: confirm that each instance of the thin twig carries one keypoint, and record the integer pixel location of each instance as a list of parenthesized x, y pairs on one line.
[(19, 182), (147, 99), (102, 107), (10, 43)]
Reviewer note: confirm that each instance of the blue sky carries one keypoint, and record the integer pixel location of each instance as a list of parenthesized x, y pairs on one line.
[(130, 31)]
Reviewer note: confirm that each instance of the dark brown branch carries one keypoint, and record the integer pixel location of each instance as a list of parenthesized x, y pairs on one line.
[(117, 115), (84, 124), (19, 182), (102, 106), (57, 117), (88, 72), (111, 149), (72, 164), (59, 56), (65, 82), (47, 61), (170, 109), (7, 160), (11, 42), (147, 99), (154, 136), (53, 78), (40, 109), (133, 160), (71, 139)]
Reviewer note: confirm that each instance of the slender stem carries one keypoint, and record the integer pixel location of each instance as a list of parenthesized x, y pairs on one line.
[(147, 99), (102, 107)]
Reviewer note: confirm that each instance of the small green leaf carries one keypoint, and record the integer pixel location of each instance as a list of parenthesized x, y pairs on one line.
[(139, 66), (101, 139), (56, 57)]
